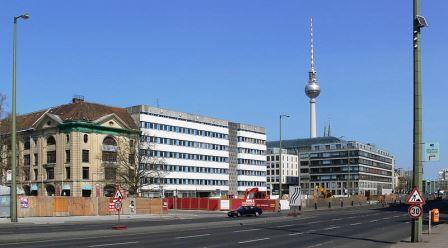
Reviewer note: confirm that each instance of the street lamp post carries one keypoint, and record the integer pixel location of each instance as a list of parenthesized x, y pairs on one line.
[(280, 159), (418, 23), (13, 129)]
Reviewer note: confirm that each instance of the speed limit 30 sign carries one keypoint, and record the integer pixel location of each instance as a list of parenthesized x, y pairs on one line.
[(415, 211)]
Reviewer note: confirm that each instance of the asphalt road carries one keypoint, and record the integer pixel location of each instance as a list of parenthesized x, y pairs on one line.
[(350, 227)]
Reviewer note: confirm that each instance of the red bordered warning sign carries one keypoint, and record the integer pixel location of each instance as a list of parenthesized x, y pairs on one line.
[(415, 198), (115, 204)]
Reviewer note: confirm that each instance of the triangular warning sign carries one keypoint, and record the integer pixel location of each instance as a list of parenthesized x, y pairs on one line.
[(118, 196), (415, 197)]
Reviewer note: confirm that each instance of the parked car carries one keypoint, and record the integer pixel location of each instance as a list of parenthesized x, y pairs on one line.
[(245, 211)]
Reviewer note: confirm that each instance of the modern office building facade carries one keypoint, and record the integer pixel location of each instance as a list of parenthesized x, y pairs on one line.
[(342, 167), (203, 156), (289, 170)]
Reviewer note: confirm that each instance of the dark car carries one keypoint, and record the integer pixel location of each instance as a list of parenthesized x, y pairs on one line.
[(245, 211)]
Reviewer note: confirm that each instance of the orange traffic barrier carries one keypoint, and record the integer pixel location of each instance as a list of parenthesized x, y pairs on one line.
[(435, 215)]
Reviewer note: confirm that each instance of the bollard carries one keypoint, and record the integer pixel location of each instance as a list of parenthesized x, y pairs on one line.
[(435, 215), (329, 204), (300, 207), (429, 221), (315, 205), (342, 204)]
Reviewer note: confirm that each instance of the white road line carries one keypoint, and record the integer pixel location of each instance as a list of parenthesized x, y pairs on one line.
[(320, 244), (314, 222), (352, 217), (135, 242), (294, 234), (286, 225), (355, 224), (310, 231), (247, 230), (385, 218), (194, 236), (253, 240), (373, 220), (396, 216), (336, 219), (333, 227)]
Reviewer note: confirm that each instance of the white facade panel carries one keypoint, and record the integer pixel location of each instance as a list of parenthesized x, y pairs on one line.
[(251, 178), (190, 150), (251, 167), (252, 135), (252, 146)]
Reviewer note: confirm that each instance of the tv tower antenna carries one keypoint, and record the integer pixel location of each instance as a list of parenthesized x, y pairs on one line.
[(312, 89)]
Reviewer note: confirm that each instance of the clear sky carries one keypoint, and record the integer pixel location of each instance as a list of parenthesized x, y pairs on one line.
[(245, 61)]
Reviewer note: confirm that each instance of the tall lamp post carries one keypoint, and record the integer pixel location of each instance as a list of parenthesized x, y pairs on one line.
[(418, 23), (280, 159), (13, 131)]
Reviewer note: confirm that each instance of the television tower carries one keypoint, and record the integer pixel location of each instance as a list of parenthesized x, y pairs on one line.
[(312, 89)]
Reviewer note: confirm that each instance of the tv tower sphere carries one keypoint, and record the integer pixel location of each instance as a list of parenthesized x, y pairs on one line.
[(312, 90)]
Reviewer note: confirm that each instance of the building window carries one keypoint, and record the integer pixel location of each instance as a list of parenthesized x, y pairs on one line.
[(51, 157), (67, 173), (110, 173), (67, 138), (36, 173), (85, 156), (36, 159), (50, 173), (86, 138), (131, 159), (51, 141), (67, 156), (27, 159), (109, 150), (26, 173), (85, 172), (27, 145)]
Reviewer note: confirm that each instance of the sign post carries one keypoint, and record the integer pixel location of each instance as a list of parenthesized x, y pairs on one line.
[(416, 201), (116, 204)]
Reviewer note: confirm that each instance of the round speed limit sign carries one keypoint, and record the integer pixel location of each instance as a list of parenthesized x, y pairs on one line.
[(415, 211)]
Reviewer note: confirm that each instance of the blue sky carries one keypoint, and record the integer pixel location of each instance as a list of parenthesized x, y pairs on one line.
[(246, 61)]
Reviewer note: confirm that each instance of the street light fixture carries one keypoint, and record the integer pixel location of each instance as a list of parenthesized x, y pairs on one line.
[(24, 16), (280, 159)]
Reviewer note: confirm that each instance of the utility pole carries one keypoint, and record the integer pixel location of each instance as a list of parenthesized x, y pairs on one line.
[(418, 23), (13, 129)]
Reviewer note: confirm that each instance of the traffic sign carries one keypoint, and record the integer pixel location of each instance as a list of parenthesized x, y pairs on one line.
[(432, 151), (415, 197), (415, 211), (118, 205), (118, 196), (295, 196)]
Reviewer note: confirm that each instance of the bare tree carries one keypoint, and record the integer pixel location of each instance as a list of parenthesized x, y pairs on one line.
[(4, 140), (137, 167)]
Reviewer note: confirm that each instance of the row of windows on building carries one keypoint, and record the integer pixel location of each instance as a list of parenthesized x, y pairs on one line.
[(251, 151), (49, 174), (285, 165), (183, 181), (179, 155), (285, 172), (344, 177), (347, 162), (251, 173), (251, 140), (185, 130), (251, 162), (183, 119), (252, 183), (186, 143), (51, 141), (284, 158), (51, 157), (183, 168)]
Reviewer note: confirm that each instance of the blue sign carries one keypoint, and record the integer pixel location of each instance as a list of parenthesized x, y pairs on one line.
[(432, 152)]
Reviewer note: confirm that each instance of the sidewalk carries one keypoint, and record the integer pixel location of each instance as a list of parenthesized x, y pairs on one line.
[(437, 239)]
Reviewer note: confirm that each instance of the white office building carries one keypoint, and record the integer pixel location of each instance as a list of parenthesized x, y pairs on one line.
[(204, 156), (289, 170)]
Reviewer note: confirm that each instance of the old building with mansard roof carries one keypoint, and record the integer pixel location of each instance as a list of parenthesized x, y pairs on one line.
[(69, 150)]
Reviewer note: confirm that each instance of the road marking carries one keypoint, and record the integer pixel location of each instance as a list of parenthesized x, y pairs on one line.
[(135, 242), (253, 240), (194, 236), (314, 222), (333, 227), (247, 230), (294, 234), (355, 224), (286, 225), (373, 220), (320, 244), (352, 217), (336, 219), (385, 218), (310, 231), (396, 216)]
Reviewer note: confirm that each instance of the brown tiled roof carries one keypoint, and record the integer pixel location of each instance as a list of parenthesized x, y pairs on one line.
[(76, 111)]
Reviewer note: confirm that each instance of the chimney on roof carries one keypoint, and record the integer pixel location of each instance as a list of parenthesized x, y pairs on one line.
[(77, 98)]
